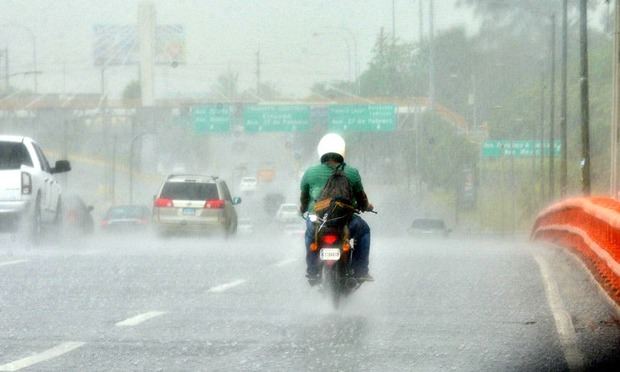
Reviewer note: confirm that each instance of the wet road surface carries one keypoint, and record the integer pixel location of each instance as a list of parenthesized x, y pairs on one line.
[(138, 303)]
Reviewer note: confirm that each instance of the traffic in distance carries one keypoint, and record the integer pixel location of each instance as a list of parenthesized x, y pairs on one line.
[(385, 185)]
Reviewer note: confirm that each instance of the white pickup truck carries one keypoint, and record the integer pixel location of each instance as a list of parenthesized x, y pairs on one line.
[(30, 197)]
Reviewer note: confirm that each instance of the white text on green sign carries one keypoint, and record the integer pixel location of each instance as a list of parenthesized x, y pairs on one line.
[(521, 148), (276, 118), (215, 118), (362, 118)]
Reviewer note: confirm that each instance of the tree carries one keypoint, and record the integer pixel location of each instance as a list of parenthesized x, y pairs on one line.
[(334, 89), (268, 91), (395, 70), (227, 85), (132, 92)]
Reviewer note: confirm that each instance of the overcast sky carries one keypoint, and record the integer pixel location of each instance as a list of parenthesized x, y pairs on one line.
[(301, 42)]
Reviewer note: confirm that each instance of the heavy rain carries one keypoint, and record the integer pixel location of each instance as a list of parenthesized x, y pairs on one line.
[(284, 185)]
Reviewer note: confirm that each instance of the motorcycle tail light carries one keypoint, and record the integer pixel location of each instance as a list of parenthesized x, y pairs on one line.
[(346, 247), (314, 247), (330, 239)]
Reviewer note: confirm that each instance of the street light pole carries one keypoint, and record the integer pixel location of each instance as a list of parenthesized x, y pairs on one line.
[(131, 150), (552, 114), (6, 69), (563, 109), (543, 86), (356, 64), (585, 98), (615, 125), (348, 45), (34, 49), (421, 21), (34, 61), (393, 22), (431, 37)]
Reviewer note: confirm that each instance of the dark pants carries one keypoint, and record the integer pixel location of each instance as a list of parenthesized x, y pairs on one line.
[(360, 232)]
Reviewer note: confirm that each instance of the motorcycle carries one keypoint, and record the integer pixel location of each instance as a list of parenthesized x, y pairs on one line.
[(335, 246)]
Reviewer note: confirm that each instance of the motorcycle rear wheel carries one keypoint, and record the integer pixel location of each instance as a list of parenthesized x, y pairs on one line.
[(331, 281)]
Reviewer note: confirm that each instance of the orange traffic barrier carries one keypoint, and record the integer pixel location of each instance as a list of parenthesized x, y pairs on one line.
[(589, 227)]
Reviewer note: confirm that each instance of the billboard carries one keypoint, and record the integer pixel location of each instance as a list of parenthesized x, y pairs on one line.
[(119, 45)]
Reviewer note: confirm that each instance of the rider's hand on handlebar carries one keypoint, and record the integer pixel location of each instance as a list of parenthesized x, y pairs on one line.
[(370, 207)]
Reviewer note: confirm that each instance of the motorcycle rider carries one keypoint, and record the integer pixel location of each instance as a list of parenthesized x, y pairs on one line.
[(331, 150)]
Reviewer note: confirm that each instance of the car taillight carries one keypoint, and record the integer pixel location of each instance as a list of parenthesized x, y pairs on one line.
[(214, 204), (26, 183), (71, 216), (163, 203), (330, 239)]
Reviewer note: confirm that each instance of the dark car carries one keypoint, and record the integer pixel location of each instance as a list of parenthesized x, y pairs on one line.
[(77, 215), (126, 218), (429, 227)]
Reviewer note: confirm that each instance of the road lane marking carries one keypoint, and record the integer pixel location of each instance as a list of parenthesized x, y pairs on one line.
[(14, 262), (135, 320), (285, 262), (563, 321), (223, 287), (54, 352)]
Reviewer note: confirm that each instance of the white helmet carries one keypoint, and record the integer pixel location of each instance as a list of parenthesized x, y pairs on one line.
[(331, 143)]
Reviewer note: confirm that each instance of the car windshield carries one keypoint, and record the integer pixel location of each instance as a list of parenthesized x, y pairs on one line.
[(13, 155), (126, 212), (190, 191)]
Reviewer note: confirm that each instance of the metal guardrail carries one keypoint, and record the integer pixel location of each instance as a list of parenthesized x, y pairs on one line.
[(589, 227)]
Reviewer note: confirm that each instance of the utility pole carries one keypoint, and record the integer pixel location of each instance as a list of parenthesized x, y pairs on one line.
[(543, 88), (64, 78), (431, 84), (6, 69), (34, 61), (552, 115), (563, 103), (106, 133), (258, 73), (421, 20), (615, 124), (146, 35), (585, 99), (393, 22)]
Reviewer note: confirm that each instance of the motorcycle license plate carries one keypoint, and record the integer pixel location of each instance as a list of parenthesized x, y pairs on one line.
[(329, 254)]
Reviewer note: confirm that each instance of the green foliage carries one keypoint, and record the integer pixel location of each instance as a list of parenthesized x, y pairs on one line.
[(395, 70), (227, 86), (132, 92), (443, 152), (268, 91), (334, 89)]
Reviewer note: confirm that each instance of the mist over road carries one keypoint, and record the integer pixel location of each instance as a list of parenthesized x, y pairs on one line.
[(135, 303)]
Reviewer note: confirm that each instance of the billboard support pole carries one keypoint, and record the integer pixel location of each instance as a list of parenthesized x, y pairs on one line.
[(146, 35)]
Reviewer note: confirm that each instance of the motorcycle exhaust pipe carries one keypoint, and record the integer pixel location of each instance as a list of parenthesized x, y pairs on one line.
[(351, 283)]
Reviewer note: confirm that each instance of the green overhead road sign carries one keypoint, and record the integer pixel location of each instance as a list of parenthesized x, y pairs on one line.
[(499, 148), (209, 119), (362, 118), (276, 118)]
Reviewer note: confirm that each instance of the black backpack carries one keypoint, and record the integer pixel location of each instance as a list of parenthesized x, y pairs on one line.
[(336, 198)]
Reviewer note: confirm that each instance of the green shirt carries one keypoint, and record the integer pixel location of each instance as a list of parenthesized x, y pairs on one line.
[(315, 178)]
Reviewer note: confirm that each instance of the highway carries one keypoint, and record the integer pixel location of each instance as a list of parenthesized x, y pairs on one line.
[(139, 303)]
